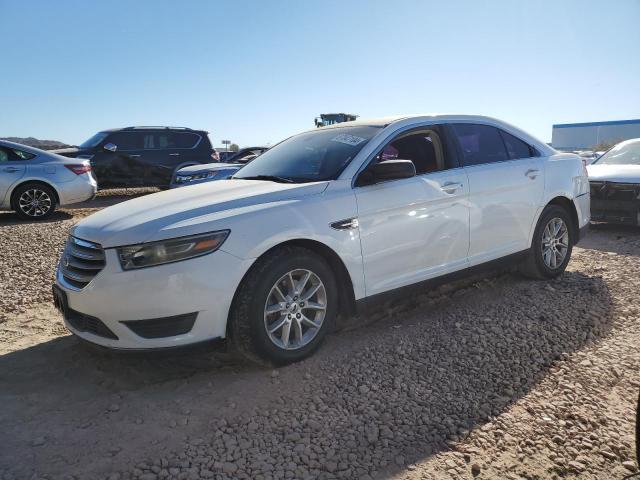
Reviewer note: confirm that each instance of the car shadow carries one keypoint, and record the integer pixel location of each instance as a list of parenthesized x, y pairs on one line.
[(436, 367), (606, 237), (11, 218)]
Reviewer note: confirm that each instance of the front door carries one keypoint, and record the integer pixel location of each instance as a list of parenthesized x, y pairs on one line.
[(416, 228), (123, 167)]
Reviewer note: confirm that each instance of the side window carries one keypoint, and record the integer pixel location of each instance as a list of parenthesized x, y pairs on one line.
[(13, 155), (516, 148), (185, 140), (426, 148), (23, 155), (479, 144), (127, 140), (173, 140)]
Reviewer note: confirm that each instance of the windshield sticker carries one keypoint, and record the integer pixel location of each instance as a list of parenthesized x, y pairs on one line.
[(348, 139)]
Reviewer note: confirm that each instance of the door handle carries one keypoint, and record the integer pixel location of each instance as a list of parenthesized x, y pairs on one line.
[(450, 187), (174, 154), (134, 156), (532, 173), (11, 169)]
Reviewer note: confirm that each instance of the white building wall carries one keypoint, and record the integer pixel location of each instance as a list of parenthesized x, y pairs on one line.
[(585, 136)]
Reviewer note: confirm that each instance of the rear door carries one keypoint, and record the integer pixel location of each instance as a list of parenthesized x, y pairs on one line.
[(506, 186), (170, 150), (12, 169)]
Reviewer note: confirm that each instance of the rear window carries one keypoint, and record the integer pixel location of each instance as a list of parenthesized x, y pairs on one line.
[(516, 148), (480, 144)]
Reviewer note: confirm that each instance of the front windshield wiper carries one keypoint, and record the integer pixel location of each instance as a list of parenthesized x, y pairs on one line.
[(272, 178)]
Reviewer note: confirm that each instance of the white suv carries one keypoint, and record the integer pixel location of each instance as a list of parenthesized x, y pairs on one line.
[(326, 222)]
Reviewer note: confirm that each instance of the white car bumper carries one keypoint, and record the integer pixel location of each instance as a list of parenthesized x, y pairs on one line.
[(135, 304), (82, 188)]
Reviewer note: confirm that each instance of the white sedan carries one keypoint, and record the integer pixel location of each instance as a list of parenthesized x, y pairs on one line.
[(329, 221), (34, 182), (615, 184)]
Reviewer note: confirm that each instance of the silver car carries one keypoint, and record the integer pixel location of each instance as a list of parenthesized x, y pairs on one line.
[(34, 182)]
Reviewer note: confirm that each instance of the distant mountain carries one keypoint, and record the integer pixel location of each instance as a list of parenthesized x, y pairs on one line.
[(34, 142)]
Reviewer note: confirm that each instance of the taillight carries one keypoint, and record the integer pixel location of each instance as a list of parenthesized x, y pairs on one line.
[(79, 169)]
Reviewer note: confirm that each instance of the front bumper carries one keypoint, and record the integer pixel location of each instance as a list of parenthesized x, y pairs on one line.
[(138, 307), (614, 202)]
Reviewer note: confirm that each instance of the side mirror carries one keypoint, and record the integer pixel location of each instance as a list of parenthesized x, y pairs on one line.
[(393, 170), (110, 147)]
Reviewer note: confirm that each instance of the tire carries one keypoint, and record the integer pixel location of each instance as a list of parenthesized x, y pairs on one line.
[(250, 320), (23, 198), (543, 262)]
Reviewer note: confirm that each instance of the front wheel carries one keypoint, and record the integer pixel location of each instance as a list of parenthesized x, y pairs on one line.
[(551, 245), (34, 201), (284, 306)]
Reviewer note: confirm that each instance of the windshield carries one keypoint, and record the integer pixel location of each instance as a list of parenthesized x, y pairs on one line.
[(312, 156), (95, 140), (626, 153)]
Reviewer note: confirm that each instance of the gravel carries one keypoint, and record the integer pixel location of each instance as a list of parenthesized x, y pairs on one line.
[(496, 378)]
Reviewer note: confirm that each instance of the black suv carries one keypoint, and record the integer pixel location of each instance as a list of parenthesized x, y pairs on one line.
[(142, 156)]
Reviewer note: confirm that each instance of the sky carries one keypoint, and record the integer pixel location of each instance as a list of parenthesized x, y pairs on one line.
[(257, 71)]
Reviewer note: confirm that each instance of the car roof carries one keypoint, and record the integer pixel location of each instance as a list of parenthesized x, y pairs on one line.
[(151, 128), (384, 121), (446, 117)]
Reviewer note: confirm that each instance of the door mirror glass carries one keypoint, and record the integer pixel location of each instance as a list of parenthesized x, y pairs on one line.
[(110, 147), (393, 170)]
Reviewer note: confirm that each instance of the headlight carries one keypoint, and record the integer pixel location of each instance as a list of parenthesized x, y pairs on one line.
[(196, 176), (167, 251)]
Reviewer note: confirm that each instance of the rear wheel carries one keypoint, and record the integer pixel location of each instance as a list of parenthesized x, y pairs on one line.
[(284, 307), (34, 201), (552, 244)]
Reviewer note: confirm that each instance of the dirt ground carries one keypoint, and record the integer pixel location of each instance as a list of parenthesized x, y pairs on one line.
[(500, 377)]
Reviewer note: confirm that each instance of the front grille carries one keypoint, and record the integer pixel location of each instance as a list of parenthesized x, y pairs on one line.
[(163, 327), (87, 323), (81, 261), (615, 202)]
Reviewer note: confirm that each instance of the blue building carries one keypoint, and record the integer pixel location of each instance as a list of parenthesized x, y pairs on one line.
[(584, 136)]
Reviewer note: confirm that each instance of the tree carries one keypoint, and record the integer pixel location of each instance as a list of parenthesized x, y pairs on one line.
[(234, 147)]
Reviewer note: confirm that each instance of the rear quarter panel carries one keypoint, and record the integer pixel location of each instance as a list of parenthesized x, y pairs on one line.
[(565, 177)]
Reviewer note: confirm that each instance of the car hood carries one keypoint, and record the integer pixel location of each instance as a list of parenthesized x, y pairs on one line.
[(207, 167), (614, 173), (187, 211)]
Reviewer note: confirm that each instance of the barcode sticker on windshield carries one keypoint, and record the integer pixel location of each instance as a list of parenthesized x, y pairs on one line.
[(348, 139)]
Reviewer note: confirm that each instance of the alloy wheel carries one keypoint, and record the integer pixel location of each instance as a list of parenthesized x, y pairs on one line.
[(295, 309), (555, 243), (34, 202)]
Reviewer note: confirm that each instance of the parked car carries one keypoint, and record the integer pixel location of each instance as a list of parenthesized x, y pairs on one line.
[(142, 156), (34, 182), (588, 156), (215, 171), (615, 184), (332, 220)]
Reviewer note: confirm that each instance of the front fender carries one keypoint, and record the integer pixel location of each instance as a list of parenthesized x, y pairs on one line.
[(255, 233)]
